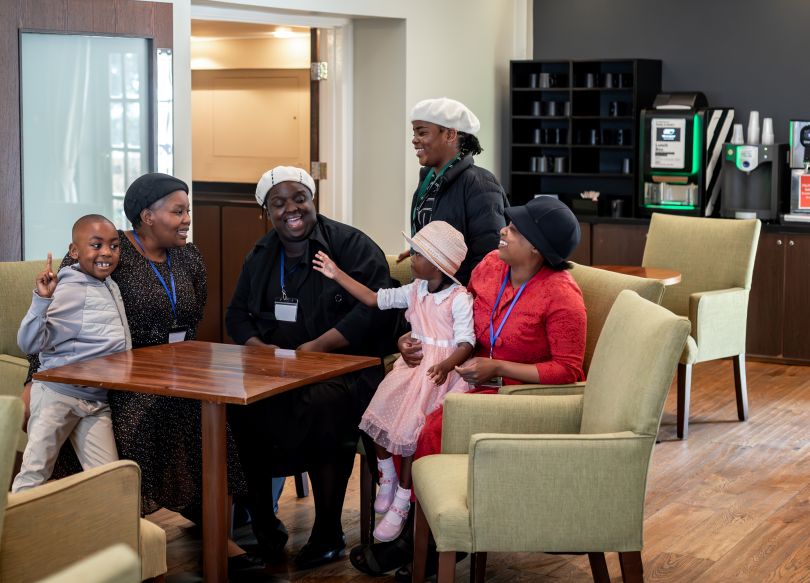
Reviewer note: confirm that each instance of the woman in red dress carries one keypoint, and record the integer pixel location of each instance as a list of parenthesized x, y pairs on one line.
[(529, 322)]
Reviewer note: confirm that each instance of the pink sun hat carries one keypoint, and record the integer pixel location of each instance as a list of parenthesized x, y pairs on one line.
[(442, 245)]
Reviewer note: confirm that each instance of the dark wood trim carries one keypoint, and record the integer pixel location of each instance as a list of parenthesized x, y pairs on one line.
[(215, 494), (421, 534), (478, 567), (150, 20), (740, 387), (447, 567), (301, 485), (368, 487)]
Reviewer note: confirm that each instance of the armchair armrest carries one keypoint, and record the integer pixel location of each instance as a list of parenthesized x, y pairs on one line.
[(465, 415), (719, 320), (587, 491), (49, 527), (545, 390)]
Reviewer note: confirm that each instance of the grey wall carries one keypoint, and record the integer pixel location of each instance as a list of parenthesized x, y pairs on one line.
[(745, 54)]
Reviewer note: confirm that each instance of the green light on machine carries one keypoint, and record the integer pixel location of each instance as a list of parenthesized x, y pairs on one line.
[(672, 206)]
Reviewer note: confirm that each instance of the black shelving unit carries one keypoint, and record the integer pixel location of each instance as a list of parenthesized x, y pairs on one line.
[(574, 127)]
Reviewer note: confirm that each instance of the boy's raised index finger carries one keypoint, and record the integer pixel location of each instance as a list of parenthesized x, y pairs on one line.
[(49, 262)]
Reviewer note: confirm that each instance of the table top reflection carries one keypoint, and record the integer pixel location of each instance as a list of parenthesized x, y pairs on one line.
[(206, 371)]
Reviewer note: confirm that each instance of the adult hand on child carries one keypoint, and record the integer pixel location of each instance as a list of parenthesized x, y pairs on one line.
[(325, 265), (478, 370), (46, 280), (410, 349), (403, 256)]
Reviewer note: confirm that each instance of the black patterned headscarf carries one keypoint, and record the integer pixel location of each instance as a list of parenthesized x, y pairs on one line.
[(147, 190)]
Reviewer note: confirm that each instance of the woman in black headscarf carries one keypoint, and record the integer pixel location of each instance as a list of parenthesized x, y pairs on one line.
[(162, 280)]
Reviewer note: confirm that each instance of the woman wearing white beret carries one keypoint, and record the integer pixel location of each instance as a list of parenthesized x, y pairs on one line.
[(451, 187)]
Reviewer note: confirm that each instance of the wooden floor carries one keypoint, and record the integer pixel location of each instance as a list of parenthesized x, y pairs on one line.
[(732, 503)]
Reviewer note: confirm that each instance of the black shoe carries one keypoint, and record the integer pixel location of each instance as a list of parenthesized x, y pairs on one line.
[(271, 541), (314, 554), (245, 562), (405, 574)]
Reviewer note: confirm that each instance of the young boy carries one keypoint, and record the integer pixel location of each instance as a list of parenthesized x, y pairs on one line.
[(81, 317)]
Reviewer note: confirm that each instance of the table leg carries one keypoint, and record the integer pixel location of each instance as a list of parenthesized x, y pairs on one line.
[(215, 493)]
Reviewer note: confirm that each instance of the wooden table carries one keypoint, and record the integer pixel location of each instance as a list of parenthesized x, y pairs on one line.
[(216, 374), (665, 276)]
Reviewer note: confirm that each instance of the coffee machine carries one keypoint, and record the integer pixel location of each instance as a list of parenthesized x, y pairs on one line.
[(680, 149), (752, 180), (799, 172)]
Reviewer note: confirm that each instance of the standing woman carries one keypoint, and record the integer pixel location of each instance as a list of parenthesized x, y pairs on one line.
[(163, 285), (451, 187)]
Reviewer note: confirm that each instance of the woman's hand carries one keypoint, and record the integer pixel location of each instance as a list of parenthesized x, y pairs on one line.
[(46, 280), (325, 265), (478, 370), (403, 256), (438, 374), (410, 349), (256, 341), (311, 346)]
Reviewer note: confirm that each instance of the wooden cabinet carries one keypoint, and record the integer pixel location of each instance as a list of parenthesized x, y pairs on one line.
[(582, 254), (573, 126), (618, 244), (227, 223), (779, 305)]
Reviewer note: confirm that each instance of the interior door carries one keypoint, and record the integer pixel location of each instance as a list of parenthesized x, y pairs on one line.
[(90, 18)]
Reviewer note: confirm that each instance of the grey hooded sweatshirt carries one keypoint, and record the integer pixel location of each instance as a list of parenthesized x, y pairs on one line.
[(85, 318)]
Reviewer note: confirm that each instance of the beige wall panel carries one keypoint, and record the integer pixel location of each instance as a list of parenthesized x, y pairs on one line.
[(250, 53), (245, 122)]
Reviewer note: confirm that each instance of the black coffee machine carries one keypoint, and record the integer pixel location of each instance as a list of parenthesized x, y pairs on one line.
[(753, 178)]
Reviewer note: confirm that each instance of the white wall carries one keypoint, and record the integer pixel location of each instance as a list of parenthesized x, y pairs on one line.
[(454, 48)]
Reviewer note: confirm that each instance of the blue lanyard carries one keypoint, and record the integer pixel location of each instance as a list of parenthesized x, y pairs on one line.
[(171, 295), (493, 335), (281, 275)]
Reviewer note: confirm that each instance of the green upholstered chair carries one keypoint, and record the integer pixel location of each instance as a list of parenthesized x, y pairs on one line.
[(116, 564), (560, 473), (716, 260), (16, 285), (599, 290)]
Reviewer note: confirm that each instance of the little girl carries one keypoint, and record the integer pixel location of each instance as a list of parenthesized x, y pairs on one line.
[(440, 312)]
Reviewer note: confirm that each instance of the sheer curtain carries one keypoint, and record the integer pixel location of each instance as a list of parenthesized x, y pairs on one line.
[(85, 131)]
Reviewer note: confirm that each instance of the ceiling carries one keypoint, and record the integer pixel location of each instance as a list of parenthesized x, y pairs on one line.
[(211, 29)]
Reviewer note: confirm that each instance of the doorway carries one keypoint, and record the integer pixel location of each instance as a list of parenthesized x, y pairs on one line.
[(250, 111)]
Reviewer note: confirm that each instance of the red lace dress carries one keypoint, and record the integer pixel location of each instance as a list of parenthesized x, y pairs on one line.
[(546, 328)]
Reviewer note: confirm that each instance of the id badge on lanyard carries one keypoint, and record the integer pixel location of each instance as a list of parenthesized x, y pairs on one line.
[(285, 307), (177, 334), (497, 382)]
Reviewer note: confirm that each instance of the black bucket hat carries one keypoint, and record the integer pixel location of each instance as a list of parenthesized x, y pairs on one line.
[(549, 226), (148, 189)]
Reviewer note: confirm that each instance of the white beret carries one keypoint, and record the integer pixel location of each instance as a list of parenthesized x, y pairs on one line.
[(282, 174), (448, 113)]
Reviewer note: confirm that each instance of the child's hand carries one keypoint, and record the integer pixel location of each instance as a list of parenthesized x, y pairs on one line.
[(46, 280), (322, 263), (403, 256), (437, 373)]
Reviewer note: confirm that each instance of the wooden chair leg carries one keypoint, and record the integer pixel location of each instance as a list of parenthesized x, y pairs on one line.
[(632, 569), (478, 567), (684, 390), (447, 567), (367, 488), (421, 534), (302, 485), (599, 568), (741, 387)]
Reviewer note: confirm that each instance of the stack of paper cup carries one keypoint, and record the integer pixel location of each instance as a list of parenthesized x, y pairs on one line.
[(767, 131), (737, 135), (753, 128)]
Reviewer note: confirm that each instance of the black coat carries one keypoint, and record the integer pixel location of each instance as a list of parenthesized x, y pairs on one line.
[(472, 200), (323, 304)]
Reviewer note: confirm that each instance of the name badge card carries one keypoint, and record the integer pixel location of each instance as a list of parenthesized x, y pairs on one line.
[(286, 309), (177, 334)]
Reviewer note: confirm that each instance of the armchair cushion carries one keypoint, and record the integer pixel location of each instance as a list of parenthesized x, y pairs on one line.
[(116, 564), (570, 389), (11, 414), (16, 283), (465, 415)]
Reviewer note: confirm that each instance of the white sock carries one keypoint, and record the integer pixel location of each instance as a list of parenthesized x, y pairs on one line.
[(387, 468), (402, 501)]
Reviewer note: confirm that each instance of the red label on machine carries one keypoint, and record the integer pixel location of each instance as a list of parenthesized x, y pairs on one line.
[(804, 191)]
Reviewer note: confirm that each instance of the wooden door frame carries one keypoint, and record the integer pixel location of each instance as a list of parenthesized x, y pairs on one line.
[(134, 18)]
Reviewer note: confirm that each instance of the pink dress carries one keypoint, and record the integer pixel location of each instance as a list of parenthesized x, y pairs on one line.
[(396, 415)]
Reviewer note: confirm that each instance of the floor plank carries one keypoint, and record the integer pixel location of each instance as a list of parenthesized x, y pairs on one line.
[(732, 503)]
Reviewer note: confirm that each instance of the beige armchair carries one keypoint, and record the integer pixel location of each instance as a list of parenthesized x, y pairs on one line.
[(49, 527), (16, 285), (716, 260), (599, 290), (557, 473)]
